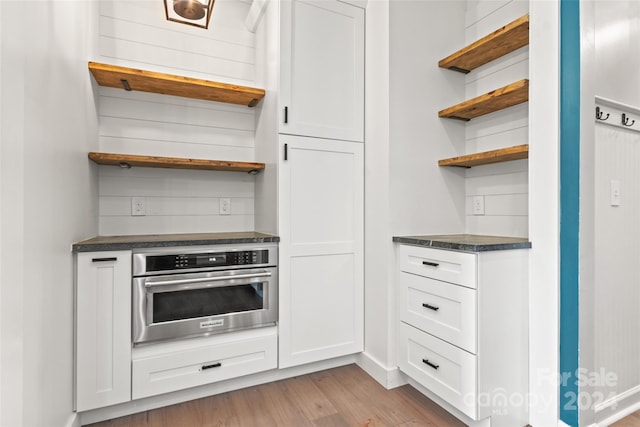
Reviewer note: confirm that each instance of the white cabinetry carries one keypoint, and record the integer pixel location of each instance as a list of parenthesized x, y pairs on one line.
[(322, 69), (320, 180), (463, 329), (321, 263), (171, 366), (103, 329)]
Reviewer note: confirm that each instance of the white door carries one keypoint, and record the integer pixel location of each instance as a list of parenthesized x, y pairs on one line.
[(322, 69), (103, 329), (321, 252)]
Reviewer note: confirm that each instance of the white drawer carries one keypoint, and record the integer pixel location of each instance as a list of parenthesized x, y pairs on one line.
[(166, 367), (442, 309), (450, 266), (447, 371)]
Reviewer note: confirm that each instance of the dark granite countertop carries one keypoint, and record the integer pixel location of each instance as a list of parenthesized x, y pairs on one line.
[(466, 242), (118, 243)]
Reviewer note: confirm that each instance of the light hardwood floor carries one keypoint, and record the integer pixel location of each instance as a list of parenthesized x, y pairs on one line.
[(339, 397), (632, 420)]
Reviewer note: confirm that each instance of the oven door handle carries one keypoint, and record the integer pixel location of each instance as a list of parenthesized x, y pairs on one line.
[(205, 279)]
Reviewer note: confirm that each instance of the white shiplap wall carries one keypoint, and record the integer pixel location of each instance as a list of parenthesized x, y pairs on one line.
[(504, 185), (136, 34)]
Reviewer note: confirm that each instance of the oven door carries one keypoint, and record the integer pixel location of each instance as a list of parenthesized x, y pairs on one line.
[(185, 305)]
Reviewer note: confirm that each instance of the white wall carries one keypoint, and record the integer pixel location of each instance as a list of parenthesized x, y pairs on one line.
[(608, 307), (405, 191), (424, 198), (503, 186), (135, 34), (544, 217), (617, 28), (587, 167), (419, 138), (48, 200), (378, 263), (267, 146), (12, 225)]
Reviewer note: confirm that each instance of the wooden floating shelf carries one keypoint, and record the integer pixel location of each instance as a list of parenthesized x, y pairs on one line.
[(169, 84), (485, 158), (129, 160), (504, 97), (502, 41)]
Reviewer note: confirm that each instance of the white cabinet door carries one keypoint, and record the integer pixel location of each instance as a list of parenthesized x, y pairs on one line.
[(322, 69), (103, 329), (321, 249)]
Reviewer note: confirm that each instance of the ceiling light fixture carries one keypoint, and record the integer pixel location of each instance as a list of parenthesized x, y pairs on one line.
[(190, 12)]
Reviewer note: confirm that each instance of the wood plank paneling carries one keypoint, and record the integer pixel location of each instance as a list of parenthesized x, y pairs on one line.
[(159, 224), (160, 38), (229, 21), (201, 114), (504, 40), (506, 182), (496, 100), (176, 206), (171, 84), (344, 396), (488, 157), (180, 183), (216, 149), (130, 160), (137, 35), (180, 200)]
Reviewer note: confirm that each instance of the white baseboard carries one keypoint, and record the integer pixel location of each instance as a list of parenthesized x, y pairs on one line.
[(388, 377), (562, 424), (167, 399), (618, 415), (617, 399)]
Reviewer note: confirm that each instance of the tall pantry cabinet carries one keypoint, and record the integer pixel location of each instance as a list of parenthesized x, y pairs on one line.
[(320, 179)]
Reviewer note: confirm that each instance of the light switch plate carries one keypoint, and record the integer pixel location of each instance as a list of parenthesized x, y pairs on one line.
[(615, 192)]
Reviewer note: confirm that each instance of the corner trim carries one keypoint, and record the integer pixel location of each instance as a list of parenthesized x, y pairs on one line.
[(73, 421), (388, 377)]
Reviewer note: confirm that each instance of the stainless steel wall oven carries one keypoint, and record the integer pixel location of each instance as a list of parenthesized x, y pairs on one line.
[(191, 291)]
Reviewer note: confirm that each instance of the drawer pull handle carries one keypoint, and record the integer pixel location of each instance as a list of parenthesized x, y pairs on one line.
[(430, 307), (110, 259), (214, 365), (430, 264), (433, 365)]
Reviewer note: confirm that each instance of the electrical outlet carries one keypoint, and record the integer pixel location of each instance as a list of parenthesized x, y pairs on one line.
[(477, 205), (138, 206), (225, 206)]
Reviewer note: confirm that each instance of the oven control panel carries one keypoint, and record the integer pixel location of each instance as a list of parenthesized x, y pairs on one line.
[(205, 260)]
